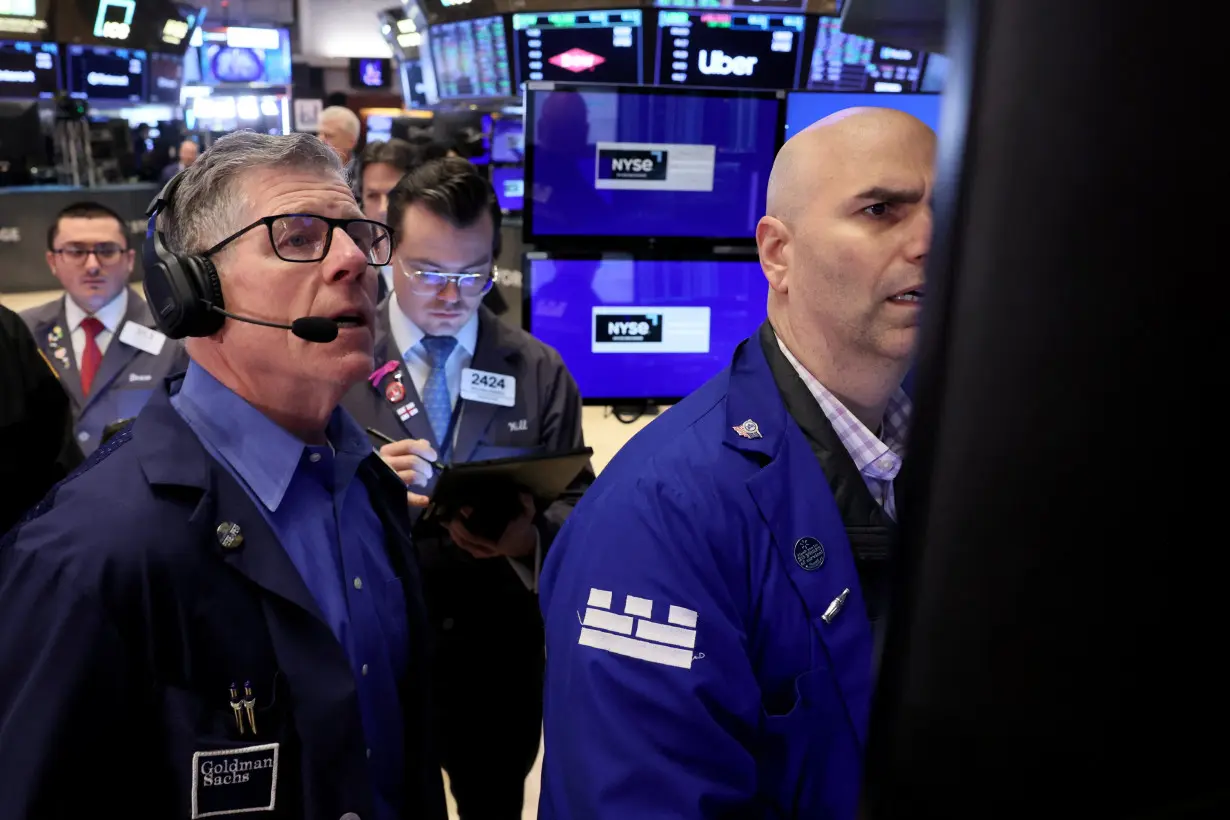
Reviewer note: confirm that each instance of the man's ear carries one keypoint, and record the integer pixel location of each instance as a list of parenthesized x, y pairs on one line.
[(773, 242)]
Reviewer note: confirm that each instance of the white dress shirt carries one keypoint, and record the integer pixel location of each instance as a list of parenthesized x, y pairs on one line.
[(111, 315)]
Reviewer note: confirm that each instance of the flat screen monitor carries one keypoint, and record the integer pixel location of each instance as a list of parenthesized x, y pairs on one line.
[(627, 165), (805, 107), (579, 46), (729, 49), (371, 72), (26, 20), (241, 55), (379, 128), (508, 140), (471, 59), (29, 71), (848, 62), (166, 77), (741, 5), (643, 330), (509, 184), (103, 73)]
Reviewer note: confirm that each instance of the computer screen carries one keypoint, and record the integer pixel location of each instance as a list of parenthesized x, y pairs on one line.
[(371, 72), (729, 49), (166, 77), (805, 107), (742, 5), (104, 73), (509, 184), (653, 330), (848, 62), (508, 140), (29, 71), (379, 128), (235, 54), (471, 59), (585, 46), (608, 162)]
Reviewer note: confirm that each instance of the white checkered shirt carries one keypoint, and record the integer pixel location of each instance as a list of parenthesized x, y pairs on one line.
[(878, 459)]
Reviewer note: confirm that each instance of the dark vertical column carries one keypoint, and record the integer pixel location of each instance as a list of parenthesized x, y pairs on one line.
[(1057, 635)]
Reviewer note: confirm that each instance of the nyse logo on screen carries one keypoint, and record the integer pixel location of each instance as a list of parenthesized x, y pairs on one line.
[(616, 163), (628, 327)]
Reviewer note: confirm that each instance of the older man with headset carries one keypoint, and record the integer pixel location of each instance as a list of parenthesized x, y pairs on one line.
[(220, 613)]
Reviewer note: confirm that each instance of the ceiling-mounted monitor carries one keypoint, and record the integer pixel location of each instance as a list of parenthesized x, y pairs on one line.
[(25, 20), (242, 55), (848, 62), (105, 74), (579, 46), (729, 49), (29, 71), (470, 58)]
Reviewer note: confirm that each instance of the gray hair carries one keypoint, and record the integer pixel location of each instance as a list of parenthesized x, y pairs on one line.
[(344, 117), (211, 199)]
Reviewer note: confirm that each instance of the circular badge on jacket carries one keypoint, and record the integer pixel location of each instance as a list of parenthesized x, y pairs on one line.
[(809, 553)]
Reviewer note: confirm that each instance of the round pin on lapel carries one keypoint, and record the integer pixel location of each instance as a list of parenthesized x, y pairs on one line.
[(809, 553), (395, 392), (230, 536)]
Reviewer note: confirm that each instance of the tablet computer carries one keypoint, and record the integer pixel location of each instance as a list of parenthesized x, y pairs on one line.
[(493, 488)]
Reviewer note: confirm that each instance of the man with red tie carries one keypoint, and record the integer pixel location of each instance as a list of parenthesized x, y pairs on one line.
[(99, 336)]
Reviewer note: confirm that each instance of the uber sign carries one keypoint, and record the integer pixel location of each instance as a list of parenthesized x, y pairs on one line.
[(717, 62), (631, 327), (622, 163)]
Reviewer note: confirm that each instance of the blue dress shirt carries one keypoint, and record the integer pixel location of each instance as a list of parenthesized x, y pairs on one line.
[(320, 512)]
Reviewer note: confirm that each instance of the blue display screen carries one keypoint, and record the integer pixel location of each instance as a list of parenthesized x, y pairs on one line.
[(508, 141), (246, 55), (610, 162), (644, 329), (509, 184), (804, 108)]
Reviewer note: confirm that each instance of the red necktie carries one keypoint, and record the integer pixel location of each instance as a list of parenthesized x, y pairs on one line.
[(91, 357)]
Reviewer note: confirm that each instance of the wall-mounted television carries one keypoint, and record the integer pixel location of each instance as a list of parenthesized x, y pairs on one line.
[(235, 55)]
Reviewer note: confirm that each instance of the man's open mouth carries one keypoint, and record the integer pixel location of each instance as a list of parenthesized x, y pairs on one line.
[(908, 296)]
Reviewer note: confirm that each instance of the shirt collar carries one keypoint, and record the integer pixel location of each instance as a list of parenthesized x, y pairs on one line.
[(264, 455), (406, 334), (111, 314), (876, 456)]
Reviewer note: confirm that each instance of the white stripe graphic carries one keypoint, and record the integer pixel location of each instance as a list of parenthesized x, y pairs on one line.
[(602, 619), (666, 634), (632, 648), (682, 617), (600, 598), (640, 607)]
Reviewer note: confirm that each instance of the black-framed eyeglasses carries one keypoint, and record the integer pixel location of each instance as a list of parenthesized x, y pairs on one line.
[(308, 237), (107, 253), (431, 282)]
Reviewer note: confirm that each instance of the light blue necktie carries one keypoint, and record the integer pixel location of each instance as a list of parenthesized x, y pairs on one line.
[(437, 402)]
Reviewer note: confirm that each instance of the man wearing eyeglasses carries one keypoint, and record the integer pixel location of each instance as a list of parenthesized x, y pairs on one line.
[(100, 335), (434, 336), (221, 614)]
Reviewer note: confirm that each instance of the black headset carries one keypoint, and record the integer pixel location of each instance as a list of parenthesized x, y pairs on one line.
[(183, 291)]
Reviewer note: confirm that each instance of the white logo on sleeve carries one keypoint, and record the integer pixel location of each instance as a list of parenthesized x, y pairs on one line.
[(635, 634)]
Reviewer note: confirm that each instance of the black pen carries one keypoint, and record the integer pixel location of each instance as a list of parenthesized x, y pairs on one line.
[(372, 431)]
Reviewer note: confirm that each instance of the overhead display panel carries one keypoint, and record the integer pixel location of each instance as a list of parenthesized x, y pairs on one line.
[(29, 71), (25, 20), (470, 58), (729, 49), (848, 62), (588, 46)]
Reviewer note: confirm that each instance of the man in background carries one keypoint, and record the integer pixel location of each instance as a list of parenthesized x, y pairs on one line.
[(188, 152), (99, 335), (480, 586), (339, 129), (730, 566), (381, 167), (37, 446)]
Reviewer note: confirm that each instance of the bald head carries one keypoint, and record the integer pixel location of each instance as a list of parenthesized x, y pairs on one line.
[(836, 146), (844, 245)]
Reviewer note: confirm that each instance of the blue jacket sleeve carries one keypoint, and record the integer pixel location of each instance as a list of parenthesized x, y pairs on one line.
[(651, 704), (70, 711)]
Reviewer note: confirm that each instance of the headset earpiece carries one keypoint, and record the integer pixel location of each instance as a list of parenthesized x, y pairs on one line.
[(179, 288)]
